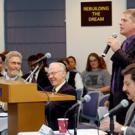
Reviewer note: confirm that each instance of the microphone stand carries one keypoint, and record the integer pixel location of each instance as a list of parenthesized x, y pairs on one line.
[(31, 74), (75, 120), (111, 125)]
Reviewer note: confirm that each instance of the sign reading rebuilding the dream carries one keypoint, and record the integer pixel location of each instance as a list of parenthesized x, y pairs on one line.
[(96, 13)]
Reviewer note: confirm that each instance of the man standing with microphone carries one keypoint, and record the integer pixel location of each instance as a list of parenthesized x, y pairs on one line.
[(122, 57)]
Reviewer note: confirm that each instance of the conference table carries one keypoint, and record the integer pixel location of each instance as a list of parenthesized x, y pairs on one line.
[(26, 105), (79, 132)]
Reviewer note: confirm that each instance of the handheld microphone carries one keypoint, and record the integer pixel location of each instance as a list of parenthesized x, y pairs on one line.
[(85, 99), (47, 55), (123, 104), (115, 35)]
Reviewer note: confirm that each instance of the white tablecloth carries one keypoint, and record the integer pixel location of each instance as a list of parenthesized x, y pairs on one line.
[(79, 132), (3, 121)]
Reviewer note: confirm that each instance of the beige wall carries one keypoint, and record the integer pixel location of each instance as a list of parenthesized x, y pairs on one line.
[(83, 40)]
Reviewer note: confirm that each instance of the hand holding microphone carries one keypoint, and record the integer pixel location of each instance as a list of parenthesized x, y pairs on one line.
[(114, 35)]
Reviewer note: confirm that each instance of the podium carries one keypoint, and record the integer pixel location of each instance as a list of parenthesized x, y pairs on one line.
[(26, 105)]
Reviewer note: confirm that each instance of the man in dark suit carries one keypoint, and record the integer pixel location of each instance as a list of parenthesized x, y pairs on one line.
[(122, 57), (40, 75), (129, 88), (57, 109)]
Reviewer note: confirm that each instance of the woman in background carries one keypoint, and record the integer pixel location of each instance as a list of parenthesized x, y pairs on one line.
[(96, 76)]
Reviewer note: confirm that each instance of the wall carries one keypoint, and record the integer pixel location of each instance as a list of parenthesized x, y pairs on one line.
[(2, 43), (83, 40), (32, 26)]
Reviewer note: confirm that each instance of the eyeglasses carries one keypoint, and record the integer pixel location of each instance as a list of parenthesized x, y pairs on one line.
[(95, 60), (53, 73), (15, 63)]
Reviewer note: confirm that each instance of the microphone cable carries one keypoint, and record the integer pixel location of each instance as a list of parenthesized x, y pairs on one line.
[(98, 123)]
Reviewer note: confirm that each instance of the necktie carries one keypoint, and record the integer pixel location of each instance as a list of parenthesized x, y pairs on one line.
[(53, 89), (125, 45), (34, 78)]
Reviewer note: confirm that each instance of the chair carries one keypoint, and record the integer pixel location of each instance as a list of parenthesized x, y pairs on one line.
[(89, 109), (103, 99), (102, 109), (79, 93)]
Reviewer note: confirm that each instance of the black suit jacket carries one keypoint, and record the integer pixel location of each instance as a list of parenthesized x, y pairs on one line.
[(57, 109), (42, 79), (120, 60)]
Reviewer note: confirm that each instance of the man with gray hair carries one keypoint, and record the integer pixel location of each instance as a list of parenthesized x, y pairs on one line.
[(12, 66), (57, 109)]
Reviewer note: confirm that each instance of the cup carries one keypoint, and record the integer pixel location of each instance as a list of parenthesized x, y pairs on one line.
[(63, 125)]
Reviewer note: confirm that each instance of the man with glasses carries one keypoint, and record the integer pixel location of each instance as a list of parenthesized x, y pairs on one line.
[(57, 109), (13, 63)]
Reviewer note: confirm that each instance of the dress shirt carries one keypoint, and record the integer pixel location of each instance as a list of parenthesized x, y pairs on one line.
[(35, 75), (58, 87), (9, 78), (78, 81), (127, 42)]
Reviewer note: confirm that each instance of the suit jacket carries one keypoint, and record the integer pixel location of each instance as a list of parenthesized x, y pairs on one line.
[(57, 109), (42, 79), (130, 120), (120, 60)]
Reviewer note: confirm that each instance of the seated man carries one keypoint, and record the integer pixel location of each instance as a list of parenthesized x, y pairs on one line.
[(129, 88), (57, 109), (40, 75), (13, 64)]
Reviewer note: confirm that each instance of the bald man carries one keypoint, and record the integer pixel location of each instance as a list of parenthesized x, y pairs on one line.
[(57, 109)]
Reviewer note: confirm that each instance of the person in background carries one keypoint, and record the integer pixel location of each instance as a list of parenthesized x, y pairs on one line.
[(73, 77), (57, 109), (13, 62), (72, 63), (2, 59), (96, 76), (122, 57), (129, 89), (40, 76)]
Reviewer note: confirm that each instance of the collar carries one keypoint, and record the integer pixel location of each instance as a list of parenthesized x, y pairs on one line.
[(59, 87), (36, 75), (10, 78), (130, 39)]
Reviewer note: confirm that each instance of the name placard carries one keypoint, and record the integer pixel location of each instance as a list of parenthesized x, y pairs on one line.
[(96, 13)]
